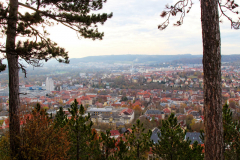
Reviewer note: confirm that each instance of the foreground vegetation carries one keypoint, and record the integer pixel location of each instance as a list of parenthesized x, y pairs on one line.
[(44, 137)]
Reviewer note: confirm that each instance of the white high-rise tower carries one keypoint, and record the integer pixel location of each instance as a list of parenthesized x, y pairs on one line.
[(49, 84)]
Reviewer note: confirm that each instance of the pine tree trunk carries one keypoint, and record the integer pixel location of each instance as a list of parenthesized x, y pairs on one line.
[(14, 126), (138, 153), (106, 152), (78, 142), (212, 80)]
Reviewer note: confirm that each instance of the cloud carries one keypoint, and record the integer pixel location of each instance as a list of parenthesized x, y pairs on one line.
[(133, 30)]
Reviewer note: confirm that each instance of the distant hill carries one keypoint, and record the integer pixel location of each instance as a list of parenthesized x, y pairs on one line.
[(198, 60), (147, 59), (133, 58)]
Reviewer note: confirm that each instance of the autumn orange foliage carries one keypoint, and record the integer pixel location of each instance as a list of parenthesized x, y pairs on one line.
[(137, 108), (40, 140)]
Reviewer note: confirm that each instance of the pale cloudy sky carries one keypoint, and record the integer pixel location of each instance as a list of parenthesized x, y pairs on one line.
[(133, 30)]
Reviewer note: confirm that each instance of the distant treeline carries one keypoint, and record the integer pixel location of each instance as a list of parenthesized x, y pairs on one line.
[(132, 58), (198, 60), (184, 59), (148, 59)]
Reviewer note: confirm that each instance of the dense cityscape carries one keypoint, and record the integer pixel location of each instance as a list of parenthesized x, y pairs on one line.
[(115, 98), (119, 80)]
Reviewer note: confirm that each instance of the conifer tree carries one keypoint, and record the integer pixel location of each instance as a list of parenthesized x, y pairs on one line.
[(61, 118), (231, 135), (5, 148), (80, 133), (108, 145), (95, 147), (123, 150), (18, 22), (195, 153), (211, 11), (172, 144), (139, 141)]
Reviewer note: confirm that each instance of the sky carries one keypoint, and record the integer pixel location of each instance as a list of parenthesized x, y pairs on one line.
[(133, 30)]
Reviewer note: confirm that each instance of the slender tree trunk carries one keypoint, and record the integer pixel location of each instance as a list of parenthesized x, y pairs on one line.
[(14, 126), (138, 153), (172, 149), (78, 141), (106, 152), (212, 80)]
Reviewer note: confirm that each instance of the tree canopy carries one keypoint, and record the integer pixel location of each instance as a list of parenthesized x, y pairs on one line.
[(74, 14), (172, 143), (29, 19), (211, 11)]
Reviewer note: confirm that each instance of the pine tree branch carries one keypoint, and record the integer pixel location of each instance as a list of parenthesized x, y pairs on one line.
[(36, 31), (67, 25), (48, 15), (27, 56), (22, 67), (29, 7)]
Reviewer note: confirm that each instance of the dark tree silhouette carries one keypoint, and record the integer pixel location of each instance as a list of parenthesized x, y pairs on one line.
[(214, 147), (73, 14), (172, 143)]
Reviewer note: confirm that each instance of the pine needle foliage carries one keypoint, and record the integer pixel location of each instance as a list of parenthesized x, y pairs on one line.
[(5, 147), (172, 144), (80, 133), (77, 15), (231, 130), (108, 145), (139, 141), (29, 19), (60, 119), (122, 152)]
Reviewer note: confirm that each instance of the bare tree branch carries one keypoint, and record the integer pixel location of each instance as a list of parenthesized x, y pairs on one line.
[(230, 6), (182, 6), (22, 67)]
